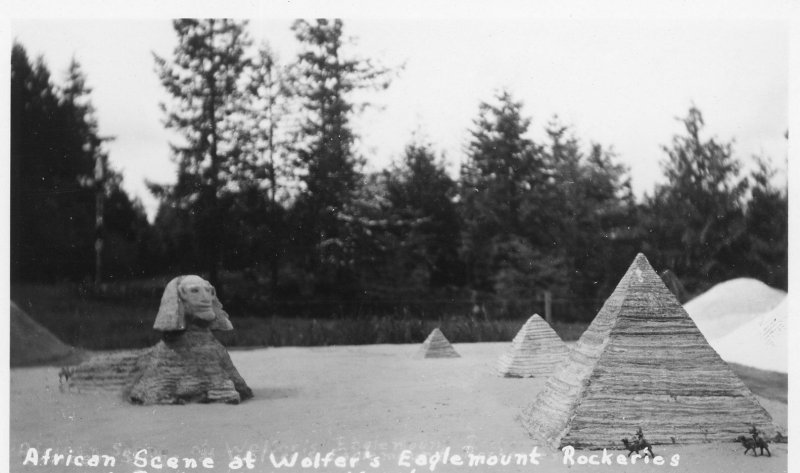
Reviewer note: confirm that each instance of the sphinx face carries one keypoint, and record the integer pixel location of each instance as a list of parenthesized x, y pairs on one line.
[(198, 297)]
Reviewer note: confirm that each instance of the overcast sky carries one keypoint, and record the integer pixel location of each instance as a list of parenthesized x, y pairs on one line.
[(617, 81)]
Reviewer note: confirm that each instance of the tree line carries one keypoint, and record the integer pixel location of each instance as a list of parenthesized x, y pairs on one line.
[(271, 188)]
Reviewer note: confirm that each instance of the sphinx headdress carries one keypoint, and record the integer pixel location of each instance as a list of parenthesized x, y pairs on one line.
[(172, 312)]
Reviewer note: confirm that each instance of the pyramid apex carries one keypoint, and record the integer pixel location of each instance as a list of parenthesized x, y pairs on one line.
[(641, 263)]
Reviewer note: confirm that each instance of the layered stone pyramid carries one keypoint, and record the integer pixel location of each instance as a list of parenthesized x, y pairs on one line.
[(643, 363), (436, 346), (535, 351)]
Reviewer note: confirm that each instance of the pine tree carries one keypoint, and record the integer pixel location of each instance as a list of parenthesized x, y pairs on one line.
[(265, 169), (54, 143), (420, 195), (767, 223), (590, 206), (206, 78), (503, 172), (696, 217), (329, 168), (84, 130)]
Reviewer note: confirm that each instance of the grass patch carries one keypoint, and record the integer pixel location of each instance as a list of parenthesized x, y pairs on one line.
[(124, 320)]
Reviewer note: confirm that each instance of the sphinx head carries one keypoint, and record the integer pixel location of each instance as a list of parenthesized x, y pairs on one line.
[(190, 299), (197, 296)]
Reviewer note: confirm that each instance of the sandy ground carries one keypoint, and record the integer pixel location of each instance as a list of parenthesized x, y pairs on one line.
[(364, 402)]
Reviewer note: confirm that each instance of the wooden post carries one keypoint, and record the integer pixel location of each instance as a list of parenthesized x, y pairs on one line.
[(548, 311)]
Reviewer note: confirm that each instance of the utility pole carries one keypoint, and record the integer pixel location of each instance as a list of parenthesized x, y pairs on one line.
[(100, 177), (99, 183)]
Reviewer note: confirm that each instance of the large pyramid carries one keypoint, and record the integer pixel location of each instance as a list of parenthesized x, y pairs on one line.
[(535, 351), (436, 346), (643, 363)]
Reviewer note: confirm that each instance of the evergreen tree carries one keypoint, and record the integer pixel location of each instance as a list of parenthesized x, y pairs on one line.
[(131, 248), (206, 78), (329, 168), (767, 223), (84, 133), (503, 173), (420, 195), (53, 146), (695, 221), (265, 170), (59, 167), (591, 206)]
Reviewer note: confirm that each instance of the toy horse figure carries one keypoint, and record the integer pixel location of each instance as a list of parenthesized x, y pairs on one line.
[(750, 444), (638, 444), (754, 442), (188, 364)]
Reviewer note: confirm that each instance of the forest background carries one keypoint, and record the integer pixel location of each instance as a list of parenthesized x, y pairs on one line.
[(272, 203)]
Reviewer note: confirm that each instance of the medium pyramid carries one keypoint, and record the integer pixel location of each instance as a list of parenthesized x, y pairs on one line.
[(535, 351), (436, 346), (643, 363)]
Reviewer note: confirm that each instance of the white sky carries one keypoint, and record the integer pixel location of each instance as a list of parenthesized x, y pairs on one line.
[(619, 81)]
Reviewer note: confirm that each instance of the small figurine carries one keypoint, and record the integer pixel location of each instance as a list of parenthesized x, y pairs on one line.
[(753, 444), (188, 364), (638, 444), (754, 432)]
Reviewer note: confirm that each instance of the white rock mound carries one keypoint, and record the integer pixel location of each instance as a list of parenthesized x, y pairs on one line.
[(731, 304), (762, 343)]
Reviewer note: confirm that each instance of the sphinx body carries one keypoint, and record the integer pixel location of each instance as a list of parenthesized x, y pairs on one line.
[(187, 366)]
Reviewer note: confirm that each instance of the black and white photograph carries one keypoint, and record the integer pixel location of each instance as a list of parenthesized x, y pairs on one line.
[(474, 239)]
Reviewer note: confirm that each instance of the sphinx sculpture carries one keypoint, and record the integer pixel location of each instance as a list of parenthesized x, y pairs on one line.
[(188, 364)]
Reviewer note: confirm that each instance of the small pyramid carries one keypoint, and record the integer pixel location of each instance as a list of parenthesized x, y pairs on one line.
[(535, 351), (643, 363), (436, 346)]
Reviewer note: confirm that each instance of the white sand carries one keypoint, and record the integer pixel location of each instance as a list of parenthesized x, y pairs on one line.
[(356, 399), (728, 305), (761, 343)]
